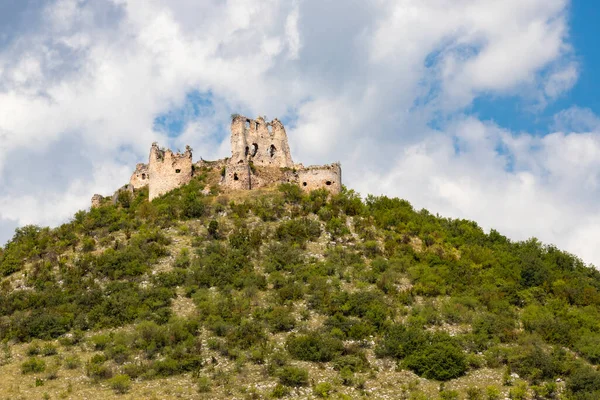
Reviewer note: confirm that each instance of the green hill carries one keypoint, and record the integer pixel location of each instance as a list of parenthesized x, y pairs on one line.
[(277, 294)]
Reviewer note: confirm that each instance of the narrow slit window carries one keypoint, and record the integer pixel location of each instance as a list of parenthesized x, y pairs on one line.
[(272, 150), (143, 176), (235, 177)]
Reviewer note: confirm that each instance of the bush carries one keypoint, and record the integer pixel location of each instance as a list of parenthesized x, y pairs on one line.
[(322, 389), (72, 362), (440, 361), (293, 376), (33, 365), (313, 347), (120, 384), (584, 383), (204, 384), (280, 391)]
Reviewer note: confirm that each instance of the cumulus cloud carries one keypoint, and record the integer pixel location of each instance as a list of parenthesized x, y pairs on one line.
[(82, 83)]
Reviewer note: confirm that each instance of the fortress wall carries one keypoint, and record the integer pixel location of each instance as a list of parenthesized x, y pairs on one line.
[(321, 177), (263, 143), (140, 176), (168, 170), (238, 177)]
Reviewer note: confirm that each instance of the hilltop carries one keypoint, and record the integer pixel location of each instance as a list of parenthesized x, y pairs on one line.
[(280, 292)]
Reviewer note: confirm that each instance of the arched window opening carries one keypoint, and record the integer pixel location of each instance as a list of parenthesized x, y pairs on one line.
[(247, 124), (272, 150), (247, 151), (235, 177), (270, 128), (143, 176), (177, 171), (254, 150), (328, 183)]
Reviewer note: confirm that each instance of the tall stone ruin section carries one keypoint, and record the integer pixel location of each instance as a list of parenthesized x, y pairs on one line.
[(168, 170), (259, 142)]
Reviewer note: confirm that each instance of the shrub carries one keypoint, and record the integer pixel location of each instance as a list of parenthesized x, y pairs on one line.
[(120, 384), (33, 365), (293, 376), (493, 393), (72, 362), (313, 347), (49, 350), (322, 389), (584, 383), (440, 361), (204, 384), (280, 391)]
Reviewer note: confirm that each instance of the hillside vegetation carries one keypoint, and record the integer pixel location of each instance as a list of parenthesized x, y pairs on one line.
[(277, 294)]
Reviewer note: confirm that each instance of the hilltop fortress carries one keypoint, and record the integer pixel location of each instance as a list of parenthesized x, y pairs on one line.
[(260, 156)]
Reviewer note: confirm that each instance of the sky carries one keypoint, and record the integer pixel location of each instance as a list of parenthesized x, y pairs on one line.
[(478, 109)]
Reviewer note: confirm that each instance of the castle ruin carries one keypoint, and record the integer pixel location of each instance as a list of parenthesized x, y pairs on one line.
[(260, 156)]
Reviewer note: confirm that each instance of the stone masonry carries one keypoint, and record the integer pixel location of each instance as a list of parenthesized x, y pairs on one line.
[(168, 170), (260, 156)]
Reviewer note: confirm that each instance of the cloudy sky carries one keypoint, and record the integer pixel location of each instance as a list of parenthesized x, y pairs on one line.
[(478, 109)]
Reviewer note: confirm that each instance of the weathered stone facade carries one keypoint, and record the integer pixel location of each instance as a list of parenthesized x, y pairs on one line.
[(140, 176), (260, 156), (97, 200), (321, 176), (260, 142), (168, 170)]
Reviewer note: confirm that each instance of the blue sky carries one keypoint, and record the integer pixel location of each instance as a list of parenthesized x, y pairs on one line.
[(474, 109)]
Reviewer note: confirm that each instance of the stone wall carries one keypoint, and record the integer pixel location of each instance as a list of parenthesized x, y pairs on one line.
[(263, 143), (322, 176), (238, 177), (168, 170), (140, 176), (97, 200)]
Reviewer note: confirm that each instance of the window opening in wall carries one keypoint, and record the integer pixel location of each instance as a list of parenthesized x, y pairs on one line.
[(177, 171), (255, 126), (247, 124), (143, 176), (254, 149), (235, 177), (328, 183), (247, 150), (270, 128), (272, 150), (303, 183)]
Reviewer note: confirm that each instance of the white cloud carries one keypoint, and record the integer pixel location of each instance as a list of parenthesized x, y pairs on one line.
[(361, 81)]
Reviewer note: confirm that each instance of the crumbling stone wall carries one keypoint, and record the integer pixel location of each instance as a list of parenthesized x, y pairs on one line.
[(140, 176), (168, 170), (238, 177), (97, 200), (260, 156), (321, 176), (260, 142)]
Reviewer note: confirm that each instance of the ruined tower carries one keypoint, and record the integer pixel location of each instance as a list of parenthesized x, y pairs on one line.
[(168, 170), (263, 143)]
